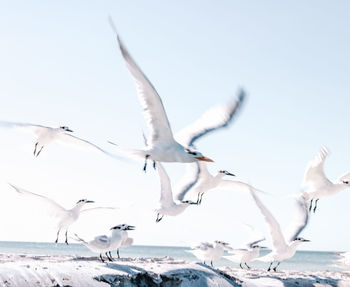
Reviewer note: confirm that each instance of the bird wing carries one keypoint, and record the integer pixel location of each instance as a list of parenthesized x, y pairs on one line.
[(204, 246), (99, 208), (237, 186), (300, 220), (255, 236), (189, 180), (166, 196), (37, 129), (54, 209), (150, 101), (70, 139), (213, 119), (314, 175), (278, 240)]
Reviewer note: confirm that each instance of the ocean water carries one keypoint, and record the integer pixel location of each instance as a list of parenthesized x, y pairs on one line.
[(303, 260)]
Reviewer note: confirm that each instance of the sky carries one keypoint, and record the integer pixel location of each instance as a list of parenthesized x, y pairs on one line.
[(60, 65)]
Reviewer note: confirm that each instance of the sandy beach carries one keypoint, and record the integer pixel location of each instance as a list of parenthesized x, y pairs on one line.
[(39, 270)]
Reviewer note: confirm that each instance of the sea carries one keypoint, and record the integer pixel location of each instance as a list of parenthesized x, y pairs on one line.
[(302, 261)]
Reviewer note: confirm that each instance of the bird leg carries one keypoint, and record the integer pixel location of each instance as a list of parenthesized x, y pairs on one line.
[(211, 263), (40, 151), (58, 232), (246, 265), (35, 148), (204, 263), (145, 166), (275, 269), (159, 218), (110, 259), (101, 258), (270, 266), (118, 253), (200, 200), (240, 265), (110, 255), (315, 205), (310, 208), (154, 165), (66, 237)]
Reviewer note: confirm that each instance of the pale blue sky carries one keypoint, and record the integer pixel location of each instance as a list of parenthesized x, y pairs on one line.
[(60, 64)]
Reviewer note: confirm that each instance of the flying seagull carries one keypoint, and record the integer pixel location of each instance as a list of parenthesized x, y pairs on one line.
[(316, 185), (161, 146), (284, 247)]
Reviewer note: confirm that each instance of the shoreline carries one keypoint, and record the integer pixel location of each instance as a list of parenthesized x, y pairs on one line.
[(48, 270)]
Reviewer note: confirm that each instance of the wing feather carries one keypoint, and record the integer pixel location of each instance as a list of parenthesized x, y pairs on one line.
[(213, 119), (166, 196)]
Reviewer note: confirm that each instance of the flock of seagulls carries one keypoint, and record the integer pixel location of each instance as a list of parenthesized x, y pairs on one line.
[(163, 146)]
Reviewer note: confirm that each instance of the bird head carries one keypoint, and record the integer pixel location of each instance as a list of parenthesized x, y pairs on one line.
[(189, 202), (300, 239), (225, 172), (346, 182), (256, 246), (83, 201), (197, 155), (123, 227), (66, 129)]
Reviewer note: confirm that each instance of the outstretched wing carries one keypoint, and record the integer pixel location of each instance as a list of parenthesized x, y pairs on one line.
[(300, 220), (255, 236), (150, 101), (278, 240), (166, 196), (37, 129), (314, 176), (70, 139), (237, 186), (53, 208), (213, 119), (189, 180)]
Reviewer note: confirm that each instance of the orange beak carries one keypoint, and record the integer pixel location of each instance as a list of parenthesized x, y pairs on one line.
[(203, 158)]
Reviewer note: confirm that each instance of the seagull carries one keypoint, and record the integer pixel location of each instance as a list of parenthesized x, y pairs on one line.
[(316, 185), (105, 244), (46, 135), (162, 146), (251, 250), (283, 247), (198, 181), (210, 252), (126, 240), (167, 204), (66, 217)]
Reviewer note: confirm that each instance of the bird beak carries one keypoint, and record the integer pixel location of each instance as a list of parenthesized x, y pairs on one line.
[(90, 201), (69, 130), (203, 158), (195, 203), (263, 247), (130, 227), (306, 240), (230, 174)]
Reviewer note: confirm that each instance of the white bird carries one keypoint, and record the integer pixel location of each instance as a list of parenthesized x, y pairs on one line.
[(105, 244), (316, 185), (162, 146), (66, 217), (284, 247), (210, 252), (250, 252), (46, 135), (126, 240), (166, 202), (198, 181)]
